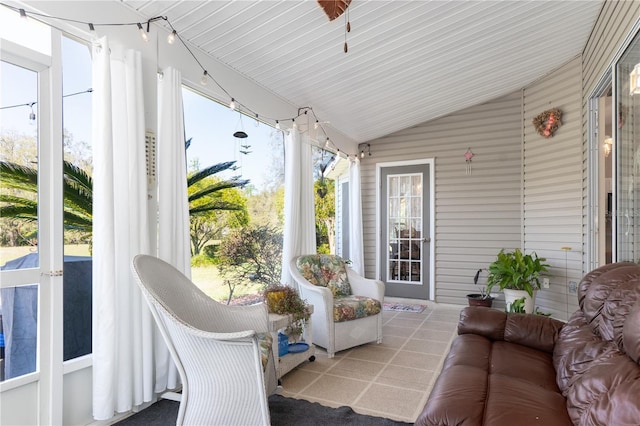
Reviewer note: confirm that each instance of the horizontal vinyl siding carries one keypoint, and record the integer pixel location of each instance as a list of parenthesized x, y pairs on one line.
[(475, 215), (552, 186)]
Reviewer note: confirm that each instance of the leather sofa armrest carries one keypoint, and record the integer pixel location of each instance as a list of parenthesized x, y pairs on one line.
[(482, 321), (534, 331)]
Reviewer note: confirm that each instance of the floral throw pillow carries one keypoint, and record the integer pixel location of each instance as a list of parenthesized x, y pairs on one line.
[(327, 271)]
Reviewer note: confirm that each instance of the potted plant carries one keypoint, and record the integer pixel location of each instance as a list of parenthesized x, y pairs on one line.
[(483, 298), (517, 275), (285, 300)]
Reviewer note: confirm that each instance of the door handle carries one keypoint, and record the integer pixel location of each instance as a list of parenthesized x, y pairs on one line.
[(426, 240)]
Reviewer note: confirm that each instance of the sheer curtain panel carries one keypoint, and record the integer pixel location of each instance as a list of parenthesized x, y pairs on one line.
[(299, 210), (173, 206), (122, 324), (356, 248)]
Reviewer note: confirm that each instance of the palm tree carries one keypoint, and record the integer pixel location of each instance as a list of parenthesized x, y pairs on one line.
[(77, 189), (78, 193)]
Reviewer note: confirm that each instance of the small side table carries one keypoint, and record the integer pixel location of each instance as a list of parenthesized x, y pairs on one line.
[(289, 361)]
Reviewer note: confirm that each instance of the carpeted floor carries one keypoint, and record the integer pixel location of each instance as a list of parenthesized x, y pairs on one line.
[(284, 412)]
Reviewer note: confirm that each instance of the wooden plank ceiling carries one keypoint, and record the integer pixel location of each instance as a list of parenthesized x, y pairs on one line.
[(408, 61)]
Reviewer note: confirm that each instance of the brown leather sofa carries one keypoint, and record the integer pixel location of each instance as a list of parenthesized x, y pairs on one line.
[(524, 369)]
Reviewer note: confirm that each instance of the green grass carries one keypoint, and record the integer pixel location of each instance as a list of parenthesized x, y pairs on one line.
[(10, 253), (205, 277)]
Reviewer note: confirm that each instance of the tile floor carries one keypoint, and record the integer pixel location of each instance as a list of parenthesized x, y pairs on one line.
[(392, 379)]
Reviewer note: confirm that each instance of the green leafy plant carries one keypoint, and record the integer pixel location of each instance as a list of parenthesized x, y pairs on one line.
[(517, 306), (284, 300), (516, 271), (539, 312)]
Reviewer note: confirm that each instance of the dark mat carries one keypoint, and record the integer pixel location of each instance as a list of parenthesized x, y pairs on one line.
[(284, 412)]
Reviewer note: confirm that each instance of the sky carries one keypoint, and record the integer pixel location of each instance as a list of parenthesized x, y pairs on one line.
[(210, 124)]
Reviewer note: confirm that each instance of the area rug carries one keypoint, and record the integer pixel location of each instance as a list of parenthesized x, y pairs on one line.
[(403, 307), (284, 412)]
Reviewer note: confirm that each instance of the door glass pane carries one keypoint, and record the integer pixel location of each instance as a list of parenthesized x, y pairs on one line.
[(78, 199), (404, 211), (19, 324), (628, 153), (19, 174), (18, 218)]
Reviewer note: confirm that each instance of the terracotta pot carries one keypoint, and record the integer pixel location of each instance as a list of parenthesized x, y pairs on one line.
[(477, 300)]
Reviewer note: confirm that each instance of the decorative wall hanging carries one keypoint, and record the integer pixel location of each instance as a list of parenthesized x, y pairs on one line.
[(467, 157), (548, 122)]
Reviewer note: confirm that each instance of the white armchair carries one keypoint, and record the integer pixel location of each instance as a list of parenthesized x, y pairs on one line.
[(347, 307), (222, 352)]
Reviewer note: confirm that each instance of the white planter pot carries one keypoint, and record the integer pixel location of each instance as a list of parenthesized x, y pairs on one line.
[(512, 295)]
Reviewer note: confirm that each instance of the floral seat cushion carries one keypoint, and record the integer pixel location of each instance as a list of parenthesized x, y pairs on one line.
[(347, 308), (326, 271), (265, 341)]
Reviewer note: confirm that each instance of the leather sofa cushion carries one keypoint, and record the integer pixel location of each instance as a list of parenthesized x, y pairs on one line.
[(534, 331), (495, 383)]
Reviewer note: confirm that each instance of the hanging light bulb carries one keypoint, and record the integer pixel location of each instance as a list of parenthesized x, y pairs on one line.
[(257, 121), (277, 125), (316, 125), (204, 79), (143, 34), (327, 143), (32, 116), (295, 125), (232, 104), (171, 38)]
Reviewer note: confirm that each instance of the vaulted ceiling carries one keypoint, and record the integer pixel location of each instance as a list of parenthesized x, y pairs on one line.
[(408, 61)]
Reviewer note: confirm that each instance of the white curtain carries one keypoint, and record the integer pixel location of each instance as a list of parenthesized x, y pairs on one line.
[(356, 249), (299, 210), (122, 324), (173, 206)]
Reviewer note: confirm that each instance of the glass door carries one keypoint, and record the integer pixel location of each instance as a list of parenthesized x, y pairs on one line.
[(31, 221), (627, 129), (405, 219)]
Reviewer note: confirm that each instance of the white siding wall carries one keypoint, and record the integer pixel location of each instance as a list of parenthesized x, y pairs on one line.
[(552, 185), (525, 191), (477, 214)]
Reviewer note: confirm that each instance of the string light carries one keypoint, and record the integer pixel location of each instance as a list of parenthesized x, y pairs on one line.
[(32, 115), (143, 34), (171, 38)]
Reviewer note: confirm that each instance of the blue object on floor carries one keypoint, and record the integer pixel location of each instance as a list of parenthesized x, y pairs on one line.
[(283, 344), (298, 347)]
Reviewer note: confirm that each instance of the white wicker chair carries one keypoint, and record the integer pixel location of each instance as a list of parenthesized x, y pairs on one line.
[(215, 348), (337, 336)]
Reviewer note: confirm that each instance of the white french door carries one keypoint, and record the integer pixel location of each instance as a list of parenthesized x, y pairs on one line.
[(31, 279)]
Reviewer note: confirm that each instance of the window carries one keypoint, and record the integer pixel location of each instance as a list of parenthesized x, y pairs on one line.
[(251, 159)]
